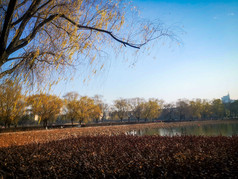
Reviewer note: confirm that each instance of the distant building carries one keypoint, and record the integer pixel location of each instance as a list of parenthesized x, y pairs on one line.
[(227, 99)]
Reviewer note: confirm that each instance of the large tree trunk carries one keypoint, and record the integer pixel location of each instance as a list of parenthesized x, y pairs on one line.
[(5, 32)]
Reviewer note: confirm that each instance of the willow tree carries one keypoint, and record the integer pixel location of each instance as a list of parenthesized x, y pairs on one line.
[(87, 110), (11, 102), (137, 105), (122, 107), (40, 39), (46, 107), (152, 109), (72, 106)]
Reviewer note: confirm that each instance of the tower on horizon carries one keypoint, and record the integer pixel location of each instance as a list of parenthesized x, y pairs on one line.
[(226, 99)]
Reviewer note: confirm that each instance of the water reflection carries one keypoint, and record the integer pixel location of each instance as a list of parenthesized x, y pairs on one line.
[(205, 130)]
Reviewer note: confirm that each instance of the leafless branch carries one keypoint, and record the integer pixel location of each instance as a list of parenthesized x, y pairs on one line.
[(60, 28), (21, 4), (102, 30), (26, 17), (7, 24), (10, 71), (25, 41), (32, 14)]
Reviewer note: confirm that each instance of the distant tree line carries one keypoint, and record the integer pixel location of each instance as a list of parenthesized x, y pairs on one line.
[(198, 109), (42, 109)]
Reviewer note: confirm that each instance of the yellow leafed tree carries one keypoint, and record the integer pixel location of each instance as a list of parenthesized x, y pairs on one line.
[(72, 106), (195, 109), (11, 102), (47, 107), (87, 109), (152, 109)]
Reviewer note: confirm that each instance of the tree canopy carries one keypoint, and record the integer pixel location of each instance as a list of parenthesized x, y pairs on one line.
[(121, 105), (87, 109), (17, 109), (151, 109), (47, 107), (12, 102), (40, 39)]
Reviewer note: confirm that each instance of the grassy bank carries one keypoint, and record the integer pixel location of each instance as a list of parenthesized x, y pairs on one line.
[(123, 156)]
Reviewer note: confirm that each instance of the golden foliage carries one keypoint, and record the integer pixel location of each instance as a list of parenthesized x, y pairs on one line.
[(82, 110), (152, 109), (47, 107), (87, 109), (12, 102)]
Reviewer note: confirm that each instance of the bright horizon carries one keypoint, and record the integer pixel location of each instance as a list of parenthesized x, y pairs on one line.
[(204, 66)]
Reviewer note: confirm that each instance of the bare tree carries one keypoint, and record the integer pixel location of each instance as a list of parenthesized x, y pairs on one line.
[(169, 111), (121, 108), (182, 106), (137, 105)]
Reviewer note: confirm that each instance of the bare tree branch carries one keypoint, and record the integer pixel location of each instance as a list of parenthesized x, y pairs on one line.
[(10, 71), (21, 4), (102, 30), (26, 17), (6, 26), (25, 41), (22, 17), (59, 27)]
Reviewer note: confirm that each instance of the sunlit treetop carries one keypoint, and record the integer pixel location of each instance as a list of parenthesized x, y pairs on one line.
[(43, 40)]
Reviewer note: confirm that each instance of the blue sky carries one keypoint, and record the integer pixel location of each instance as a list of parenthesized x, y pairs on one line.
[(204, 66)]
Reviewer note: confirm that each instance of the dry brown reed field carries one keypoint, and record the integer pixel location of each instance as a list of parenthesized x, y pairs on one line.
[(43, 136), (106, 152)]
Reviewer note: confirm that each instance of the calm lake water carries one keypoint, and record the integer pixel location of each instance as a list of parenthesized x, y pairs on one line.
[(228, 129)]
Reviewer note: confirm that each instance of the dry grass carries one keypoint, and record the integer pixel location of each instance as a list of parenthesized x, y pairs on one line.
[(44, 136), (124, 157)]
